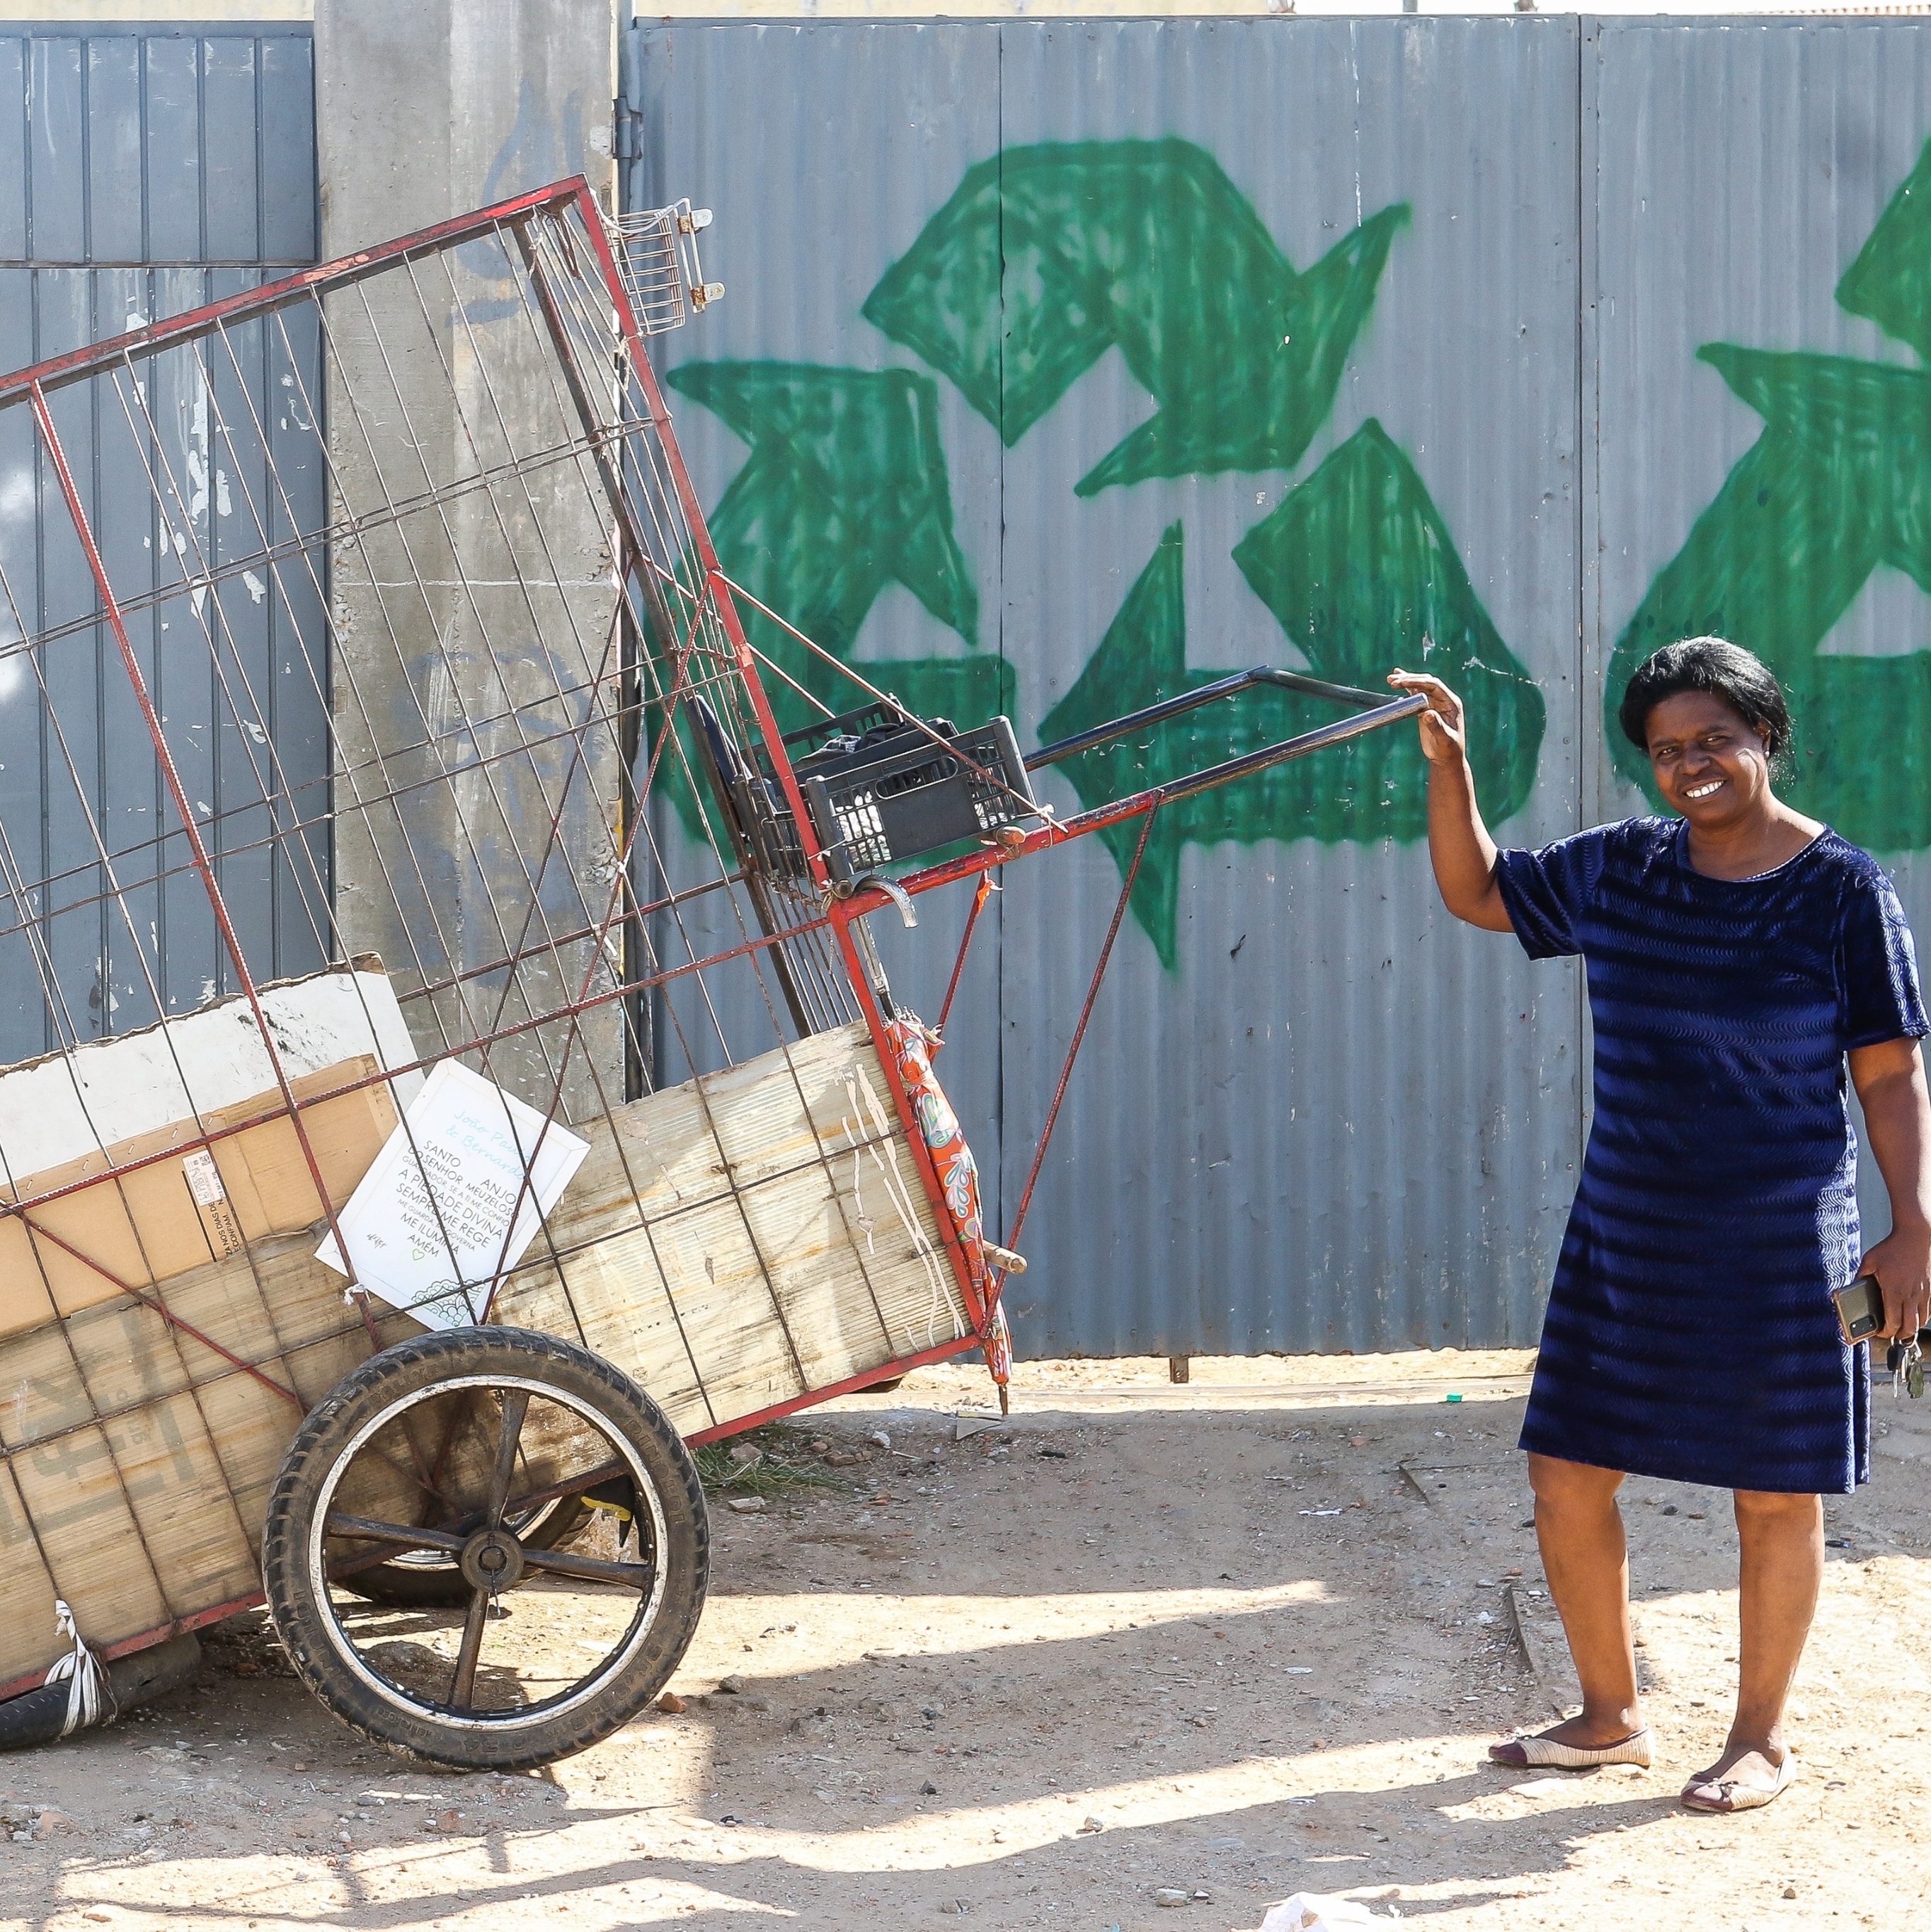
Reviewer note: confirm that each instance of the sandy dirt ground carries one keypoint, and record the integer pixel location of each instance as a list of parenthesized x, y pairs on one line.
[(1229, 1641)]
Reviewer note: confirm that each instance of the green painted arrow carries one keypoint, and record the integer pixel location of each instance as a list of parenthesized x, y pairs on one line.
[(1045, 256), (845, 491), (1838, 484), (1357, 568)]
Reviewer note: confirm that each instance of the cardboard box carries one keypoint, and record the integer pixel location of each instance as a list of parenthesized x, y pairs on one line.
[(137, 1226)]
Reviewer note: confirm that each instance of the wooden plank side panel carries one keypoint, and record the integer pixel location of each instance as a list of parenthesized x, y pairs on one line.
[(826, 1261), (29, 1637), (44, 1390), (823, 1284), (690, 1145), (744, 1356), (663, 1158), (614, 1295), (201, 1549), (278, 1307), (199, 1440), (117, 1356), (91, 1541), (786, 1108), (911, 1275), (252, 1427)]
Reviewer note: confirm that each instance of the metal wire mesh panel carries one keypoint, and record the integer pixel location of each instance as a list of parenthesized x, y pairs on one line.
[(91, 854), (449, 606), (414, 532)]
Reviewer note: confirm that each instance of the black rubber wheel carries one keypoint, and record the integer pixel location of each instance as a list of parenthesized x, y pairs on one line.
[(36, 1716), (429, 1579), (442, 1443)]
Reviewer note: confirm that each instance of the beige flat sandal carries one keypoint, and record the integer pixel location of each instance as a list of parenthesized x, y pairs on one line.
[(1541, 1752), (1738, 1797)]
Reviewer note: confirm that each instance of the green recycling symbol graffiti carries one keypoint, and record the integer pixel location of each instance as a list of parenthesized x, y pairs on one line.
[(1045, 257), (1838, 484)]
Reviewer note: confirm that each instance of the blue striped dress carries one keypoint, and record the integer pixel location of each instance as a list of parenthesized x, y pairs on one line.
[(1690, 1334)]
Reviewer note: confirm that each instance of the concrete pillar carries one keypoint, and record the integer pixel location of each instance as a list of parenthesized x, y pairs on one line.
[(469, 637), (424, 108)]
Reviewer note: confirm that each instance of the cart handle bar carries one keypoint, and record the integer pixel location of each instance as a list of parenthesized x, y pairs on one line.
[(1058, 832), (1206, 694)]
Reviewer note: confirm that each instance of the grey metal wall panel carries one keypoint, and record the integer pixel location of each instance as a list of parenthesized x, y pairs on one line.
[(172, 124), (113, 124), (13, 149), (144, 171), (55, 179), (1743, 169), (1313, 1113), (1263, 1154), (287, 200)]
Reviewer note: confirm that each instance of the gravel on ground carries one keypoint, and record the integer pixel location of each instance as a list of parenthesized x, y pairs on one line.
[(1136, 1649)]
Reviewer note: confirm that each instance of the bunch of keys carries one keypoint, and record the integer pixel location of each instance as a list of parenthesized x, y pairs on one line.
[(1906, 1361)]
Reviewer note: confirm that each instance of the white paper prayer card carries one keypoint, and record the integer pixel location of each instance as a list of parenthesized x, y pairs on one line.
[(426, 1225)]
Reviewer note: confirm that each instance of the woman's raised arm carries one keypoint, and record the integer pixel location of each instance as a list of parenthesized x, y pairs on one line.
[(1458, 842)]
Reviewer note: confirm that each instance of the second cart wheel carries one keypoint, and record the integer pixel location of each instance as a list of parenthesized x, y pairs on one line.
[(444, 1444)]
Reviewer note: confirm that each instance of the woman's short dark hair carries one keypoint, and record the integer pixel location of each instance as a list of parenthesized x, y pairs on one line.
[(1739, 677)]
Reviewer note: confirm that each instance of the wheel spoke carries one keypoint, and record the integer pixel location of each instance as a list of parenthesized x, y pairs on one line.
[(515, 1406), (340, 1524), (575, 1485), (464, 1686), (590, 1569)]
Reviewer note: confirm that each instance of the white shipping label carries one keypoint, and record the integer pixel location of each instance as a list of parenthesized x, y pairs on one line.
[(211, 1201), (456, 1195), (204, 1178)]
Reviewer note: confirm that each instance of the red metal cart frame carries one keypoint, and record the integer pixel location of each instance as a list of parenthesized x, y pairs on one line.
[(597, 747)]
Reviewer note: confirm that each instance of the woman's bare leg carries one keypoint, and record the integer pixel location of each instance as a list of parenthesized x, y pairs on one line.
[(1580, 1529), (1781, 1539)]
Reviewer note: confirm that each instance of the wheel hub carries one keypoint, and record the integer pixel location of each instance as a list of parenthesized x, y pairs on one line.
[(492, 1560)]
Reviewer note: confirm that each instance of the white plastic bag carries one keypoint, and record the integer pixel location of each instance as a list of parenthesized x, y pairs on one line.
[(89, 1698), (1315, 1912)]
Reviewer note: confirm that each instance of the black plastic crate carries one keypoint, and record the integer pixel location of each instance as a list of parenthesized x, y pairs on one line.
[(880, 791)]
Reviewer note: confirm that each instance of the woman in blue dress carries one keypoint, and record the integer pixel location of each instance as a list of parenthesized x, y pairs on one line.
[(1739, 954)]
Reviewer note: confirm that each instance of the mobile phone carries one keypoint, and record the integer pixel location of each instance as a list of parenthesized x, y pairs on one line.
[(1859, 1308)]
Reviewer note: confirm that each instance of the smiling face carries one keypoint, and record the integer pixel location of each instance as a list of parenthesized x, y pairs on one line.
[(1710, 765)]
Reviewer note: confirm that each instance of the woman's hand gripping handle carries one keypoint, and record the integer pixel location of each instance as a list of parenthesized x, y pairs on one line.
[(1463, 852)]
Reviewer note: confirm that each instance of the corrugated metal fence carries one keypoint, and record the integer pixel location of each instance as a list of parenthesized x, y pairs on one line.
[(1063, 364), (142, 172)]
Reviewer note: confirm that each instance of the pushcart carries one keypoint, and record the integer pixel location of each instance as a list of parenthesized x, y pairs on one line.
[(455, 1075)]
